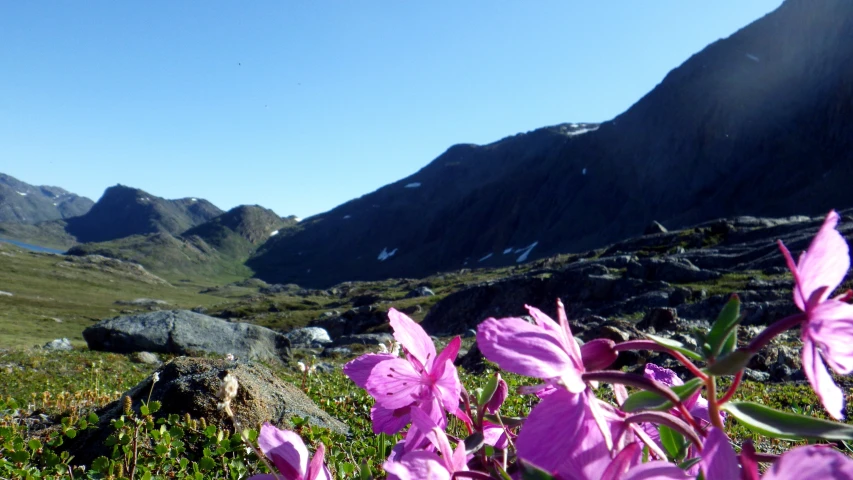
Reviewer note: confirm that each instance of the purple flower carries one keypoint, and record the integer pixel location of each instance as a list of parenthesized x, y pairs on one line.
[(546, 350), (423, 379), (828, 328), (695, 404), (579, 450), (719, 462), (290, 457)]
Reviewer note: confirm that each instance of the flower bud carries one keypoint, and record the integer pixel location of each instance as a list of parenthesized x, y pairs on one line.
[(598, 354)]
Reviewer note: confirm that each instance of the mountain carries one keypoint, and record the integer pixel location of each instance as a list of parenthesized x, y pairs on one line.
[(219, 246), (759, 123), (124, 211), (23, 203)]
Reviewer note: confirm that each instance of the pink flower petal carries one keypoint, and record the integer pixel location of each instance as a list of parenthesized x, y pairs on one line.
[(395, 384), (811, 462), (417, 466), (826, 261), (389, 421), (529, 350), (412, 337), (537, 443), (830, 326), (719, 461), (358, 370), (659, 470), (830, 395), (448, 387), (285, 449), (627, 458), (317, 470)]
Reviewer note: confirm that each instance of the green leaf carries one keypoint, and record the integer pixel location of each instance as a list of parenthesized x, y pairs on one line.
[(101, 465), (154, 406), (529, 472), (646, 400), (144, 410), (789, 426), (19, 456), (671, 440), (727, 320), (488, 391), (34, 444), (677, 346), (508, 421), (206, 463), (730, 344), (730, 364), (71, 433), (474, 442), (92, 418)]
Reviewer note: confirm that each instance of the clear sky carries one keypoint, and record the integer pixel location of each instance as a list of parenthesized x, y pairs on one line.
[(302, 105)]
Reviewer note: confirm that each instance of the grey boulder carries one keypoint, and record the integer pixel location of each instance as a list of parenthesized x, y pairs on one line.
[(184, 332), (308, 337)]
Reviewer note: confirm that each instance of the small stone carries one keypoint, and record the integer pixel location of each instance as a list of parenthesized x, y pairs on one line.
[(58, 344), (755, 375), (146, 358)]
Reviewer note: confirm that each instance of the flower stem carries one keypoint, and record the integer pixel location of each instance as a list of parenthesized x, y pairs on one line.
[(773, 330), (713, 406), (731, 391), (654, 347)]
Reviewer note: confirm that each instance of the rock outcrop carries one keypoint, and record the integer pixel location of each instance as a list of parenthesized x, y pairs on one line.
[(185, 332), (191, 386)]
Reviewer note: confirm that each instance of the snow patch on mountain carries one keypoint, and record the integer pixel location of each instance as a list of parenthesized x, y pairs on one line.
[(525, 252), (385, 254)]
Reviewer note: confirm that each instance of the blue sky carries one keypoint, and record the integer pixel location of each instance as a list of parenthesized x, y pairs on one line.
[(300, 106)]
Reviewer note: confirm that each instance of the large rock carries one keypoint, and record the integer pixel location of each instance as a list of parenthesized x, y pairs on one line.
[(308, 337), (184, 332), (191, 386)]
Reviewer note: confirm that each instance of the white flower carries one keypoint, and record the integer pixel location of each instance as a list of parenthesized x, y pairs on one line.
[(301, 366), (156, 377)]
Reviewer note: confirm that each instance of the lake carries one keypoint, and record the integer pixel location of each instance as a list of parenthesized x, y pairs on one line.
[(34, 248)]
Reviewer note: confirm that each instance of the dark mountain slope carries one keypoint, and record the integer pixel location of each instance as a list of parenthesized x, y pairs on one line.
[(23, 203), (760, 123)]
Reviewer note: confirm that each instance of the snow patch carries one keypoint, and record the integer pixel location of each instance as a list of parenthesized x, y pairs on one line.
[(583, 172), (753, 57), (385, 254), (274, 233), (525, 252), (485, 258), (297, 219), (581, 131), (55, 204), (346, 217), (508, 251), (413, 185), (22, 194), (193, 199)]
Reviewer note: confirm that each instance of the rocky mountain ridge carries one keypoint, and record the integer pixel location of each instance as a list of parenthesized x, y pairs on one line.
[(21, 202), (757, 124)]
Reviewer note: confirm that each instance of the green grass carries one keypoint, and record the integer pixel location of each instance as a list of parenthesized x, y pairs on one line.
[(44, 291)]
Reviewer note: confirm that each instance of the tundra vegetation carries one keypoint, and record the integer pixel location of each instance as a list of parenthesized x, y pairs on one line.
[(418, 414)]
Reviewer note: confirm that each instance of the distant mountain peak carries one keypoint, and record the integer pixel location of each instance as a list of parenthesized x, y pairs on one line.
[(23, 203)]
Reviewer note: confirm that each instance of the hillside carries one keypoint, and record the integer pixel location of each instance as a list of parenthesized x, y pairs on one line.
[(758, 123), (218, 247)]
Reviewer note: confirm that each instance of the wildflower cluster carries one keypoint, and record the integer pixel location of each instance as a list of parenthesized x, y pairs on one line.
[(663, 428)]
